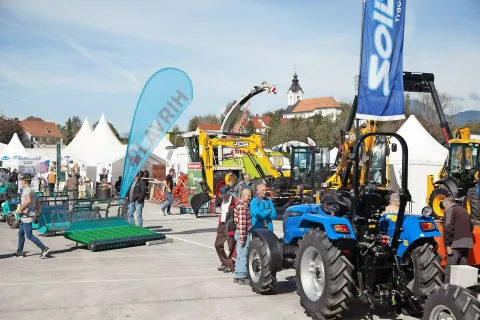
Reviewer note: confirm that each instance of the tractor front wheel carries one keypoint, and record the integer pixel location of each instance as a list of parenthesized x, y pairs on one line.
[(262, 278), (436, 200), (473, 203), (324, 276), (451, 302)]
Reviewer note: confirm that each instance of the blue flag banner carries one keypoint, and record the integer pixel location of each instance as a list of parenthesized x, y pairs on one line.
[(164, 98), (380, 93)]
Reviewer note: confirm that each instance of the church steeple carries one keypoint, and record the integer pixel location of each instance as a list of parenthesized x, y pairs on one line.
[(295, 93)]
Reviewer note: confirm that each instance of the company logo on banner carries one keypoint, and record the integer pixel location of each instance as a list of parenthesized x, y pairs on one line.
[(380, 95), (164, 98)]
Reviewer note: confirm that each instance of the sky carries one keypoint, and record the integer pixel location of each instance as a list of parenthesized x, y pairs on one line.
[(83, 58)]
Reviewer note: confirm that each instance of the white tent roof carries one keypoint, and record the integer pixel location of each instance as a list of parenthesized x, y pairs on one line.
[(82, 141), (104, 147), (161, 150), (14, 148), (422, 147), (333, 154)]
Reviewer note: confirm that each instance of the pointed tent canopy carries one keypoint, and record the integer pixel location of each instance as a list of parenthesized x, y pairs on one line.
[(2, 147), (76, 148), (104, 147), (161, 149), (14, 148)]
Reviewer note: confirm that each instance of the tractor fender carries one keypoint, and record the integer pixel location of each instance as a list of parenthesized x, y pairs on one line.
[(412, 233), (274, 250), (449, 183)]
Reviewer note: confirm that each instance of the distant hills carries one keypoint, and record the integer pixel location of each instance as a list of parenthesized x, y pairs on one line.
[(462, 117)]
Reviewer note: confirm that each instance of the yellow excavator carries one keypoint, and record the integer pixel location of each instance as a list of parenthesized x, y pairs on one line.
[(458, 177)]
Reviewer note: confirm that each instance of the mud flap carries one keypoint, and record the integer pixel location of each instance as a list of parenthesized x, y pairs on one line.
[(198, 201)]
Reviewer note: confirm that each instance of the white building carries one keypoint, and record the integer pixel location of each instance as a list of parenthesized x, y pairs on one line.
[(306, 108)]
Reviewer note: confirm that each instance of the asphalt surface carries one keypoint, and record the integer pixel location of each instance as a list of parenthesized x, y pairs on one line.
[(176, 280)]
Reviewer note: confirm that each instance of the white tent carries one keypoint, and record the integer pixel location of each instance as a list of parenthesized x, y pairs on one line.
[(425, 156), (80, 144), (161, 149), (282, 146), (333, 155), (2, 147), (103, 146), (14, 148)]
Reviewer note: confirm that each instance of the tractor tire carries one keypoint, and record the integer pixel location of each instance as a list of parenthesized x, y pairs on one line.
[(451, 302), (326, 287), (12, 221), (218, 181), (427, 271), (436, 198), (262, 279), (473, 203)]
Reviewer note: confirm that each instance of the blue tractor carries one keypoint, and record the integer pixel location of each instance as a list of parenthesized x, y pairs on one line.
[(345, 247)]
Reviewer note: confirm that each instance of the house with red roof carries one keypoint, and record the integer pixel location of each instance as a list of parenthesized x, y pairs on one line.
[(40, 133)]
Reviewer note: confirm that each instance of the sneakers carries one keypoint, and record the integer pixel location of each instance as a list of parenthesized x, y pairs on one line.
[(244, 282), (235, 280), (221, 268), (163, 210), (19, 254), (45, 252), (228, 269)]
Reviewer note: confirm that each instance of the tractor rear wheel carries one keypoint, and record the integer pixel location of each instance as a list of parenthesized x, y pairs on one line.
[(424, 270), (324, 276), (451, 302), (473, 203), (262, 278), (436, 200)]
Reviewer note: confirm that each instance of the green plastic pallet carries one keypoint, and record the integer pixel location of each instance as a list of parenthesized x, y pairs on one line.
[(109, 233)]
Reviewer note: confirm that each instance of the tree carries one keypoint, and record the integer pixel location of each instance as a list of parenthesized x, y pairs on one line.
[(174, 136), (250, 128), (68, 136), (8, 127), (76, 124), (196, 120)]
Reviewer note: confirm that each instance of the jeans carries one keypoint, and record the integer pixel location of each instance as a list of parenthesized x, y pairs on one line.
[(25, 229), (241, 262), (169, 202), (135, 207)]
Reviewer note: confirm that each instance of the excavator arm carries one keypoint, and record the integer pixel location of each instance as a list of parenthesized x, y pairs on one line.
[(250, 93)]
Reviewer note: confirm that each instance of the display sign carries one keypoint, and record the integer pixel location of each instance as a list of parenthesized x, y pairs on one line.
[(31, 167), (194, 177)]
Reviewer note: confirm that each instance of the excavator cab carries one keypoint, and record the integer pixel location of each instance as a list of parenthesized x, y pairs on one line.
[(309, 166), (463, 164)]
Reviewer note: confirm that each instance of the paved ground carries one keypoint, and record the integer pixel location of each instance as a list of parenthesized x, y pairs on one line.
[(176, 280)]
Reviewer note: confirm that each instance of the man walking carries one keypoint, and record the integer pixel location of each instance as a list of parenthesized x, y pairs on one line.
[(243, 224), (29, 208), (457, 235), (136, 198), (262, 209), (225, 219), (168, 191)]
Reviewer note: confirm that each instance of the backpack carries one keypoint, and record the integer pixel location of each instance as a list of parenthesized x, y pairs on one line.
[(229, 222)]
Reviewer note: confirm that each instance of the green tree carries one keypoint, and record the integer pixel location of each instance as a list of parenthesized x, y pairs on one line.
[(9, 126), (76, 124), (207, 119), (250, 128), (68, 132), (175, 137)]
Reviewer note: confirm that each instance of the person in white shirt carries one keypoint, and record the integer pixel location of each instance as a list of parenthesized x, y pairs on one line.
[(225, 222), (394, 205)]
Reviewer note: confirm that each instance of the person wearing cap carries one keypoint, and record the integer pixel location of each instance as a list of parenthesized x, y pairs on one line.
[(29, 208), (394, 205), (224, 234)]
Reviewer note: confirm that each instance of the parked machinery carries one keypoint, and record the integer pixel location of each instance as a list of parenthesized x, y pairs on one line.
[(345, 247)]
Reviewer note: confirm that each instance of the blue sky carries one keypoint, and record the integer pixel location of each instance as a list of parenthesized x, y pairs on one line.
[(65, 58)]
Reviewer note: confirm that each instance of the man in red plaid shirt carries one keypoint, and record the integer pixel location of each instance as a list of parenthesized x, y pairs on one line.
[(243, 223)]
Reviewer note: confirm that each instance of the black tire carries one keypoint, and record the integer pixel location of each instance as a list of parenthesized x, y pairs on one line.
[(427, 271), (441, 192), (338, 281), (12, 221), (453, 300), (218, 177), (3, 218), (262, 278), (474, 201)]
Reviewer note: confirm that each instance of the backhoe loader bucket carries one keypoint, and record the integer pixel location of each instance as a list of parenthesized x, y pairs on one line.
[(198, 201)]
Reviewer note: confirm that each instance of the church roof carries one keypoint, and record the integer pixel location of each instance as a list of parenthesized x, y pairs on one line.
[(316, 103), (295, 87)]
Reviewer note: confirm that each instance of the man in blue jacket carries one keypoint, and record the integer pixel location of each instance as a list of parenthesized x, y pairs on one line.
[(262, 209)]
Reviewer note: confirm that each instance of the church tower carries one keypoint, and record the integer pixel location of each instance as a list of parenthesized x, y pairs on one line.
[(295, 93)]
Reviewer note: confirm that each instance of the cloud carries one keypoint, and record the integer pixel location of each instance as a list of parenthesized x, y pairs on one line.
[(457, 98), (474, 96)]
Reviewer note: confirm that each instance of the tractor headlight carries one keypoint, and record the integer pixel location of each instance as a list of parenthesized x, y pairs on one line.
[(427, 211)]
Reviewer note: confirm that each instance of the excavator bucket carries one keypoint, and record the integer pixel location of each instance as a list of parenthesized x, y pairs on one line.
[(198, 201)]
